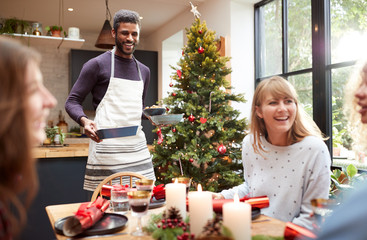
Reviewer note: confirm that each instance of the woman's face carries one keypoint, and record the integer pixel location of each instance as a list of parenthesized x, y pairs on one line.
[(278, 114), (361, 95), (40, 100)]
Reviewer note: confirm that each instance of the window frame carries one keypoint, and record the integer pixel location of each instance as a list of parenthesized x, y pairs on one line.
[(321, 60)]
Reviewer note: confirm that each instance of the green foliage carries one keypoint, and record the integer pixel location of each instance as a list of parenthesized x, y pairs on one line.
[(51, 132), (344, 180), (192, 146), (14, 25)]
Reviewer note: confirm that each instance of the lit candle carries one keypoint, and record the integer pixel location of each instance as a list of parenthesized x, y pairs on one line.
[(176, 197), (201, 210), (237, 218)]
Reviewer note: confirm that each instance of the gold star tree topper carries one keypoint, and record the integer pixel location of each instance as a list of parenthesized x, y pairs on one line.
[(195, 11)]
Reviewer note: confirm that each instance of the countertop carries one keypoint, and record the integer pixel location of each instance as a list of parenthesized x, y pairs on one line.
[(71, 150)]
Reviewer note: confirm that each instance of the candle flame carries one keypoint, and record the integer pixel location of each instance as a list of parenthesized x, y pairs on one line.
[(236, 199), (200, 189), (176, 181)]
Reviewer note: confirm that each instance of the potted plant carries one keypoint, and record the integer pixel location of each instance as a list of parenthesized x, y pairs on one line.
[(14, 25), (54, 30)]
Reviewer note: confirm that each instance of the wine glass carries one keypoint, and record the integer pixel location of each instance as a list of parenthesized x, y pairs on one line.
[(144, 185), (139, 204), (185, 180)]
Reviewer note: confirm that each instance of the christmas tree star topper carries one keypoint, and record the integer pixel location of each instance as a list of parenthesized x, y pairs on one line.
[(195, 11)]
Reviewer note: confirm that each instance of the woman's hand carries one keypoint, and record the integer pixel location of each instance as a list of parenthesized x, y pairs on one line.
[(217, 195)]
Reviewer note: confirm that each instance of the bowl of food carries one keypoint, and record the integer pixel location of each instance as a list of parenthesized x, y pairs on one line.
[(154, 110), (167, 119)]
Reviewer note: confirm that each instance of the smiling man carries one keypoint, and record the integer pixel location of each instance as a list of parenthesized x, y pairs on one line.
[(118, 83)]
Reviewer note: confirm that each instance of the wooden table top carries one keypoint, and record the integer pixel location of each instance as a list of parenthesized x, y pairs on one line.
[(263, 225)]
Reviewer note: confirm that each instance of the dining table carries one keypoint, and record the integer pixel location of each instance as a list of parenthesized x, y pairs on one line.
[(262, 225)]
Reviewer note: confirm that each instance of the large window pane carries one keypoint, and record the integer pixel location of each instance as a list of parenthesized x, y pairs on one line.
[(271, 39), (341, 136), (303, 85), (299, 35), (348, 30)]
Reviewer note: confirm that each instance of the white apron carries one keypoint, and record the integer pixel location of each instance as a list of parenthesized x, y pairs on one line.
[(120, 107)]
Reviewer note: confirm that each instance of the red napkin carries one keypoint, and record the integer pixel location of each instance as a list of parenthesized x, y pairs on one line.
[(159, 192), (87, 215), (106, 189), (293, 231), (255, 202)]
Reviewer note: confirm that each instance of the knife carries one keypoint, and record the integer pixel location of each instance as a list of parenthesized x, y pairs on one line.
[(117, 132)]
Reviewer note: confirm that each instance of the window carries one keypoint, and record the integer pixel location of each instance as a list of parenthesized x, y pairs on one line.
[(320, 42)]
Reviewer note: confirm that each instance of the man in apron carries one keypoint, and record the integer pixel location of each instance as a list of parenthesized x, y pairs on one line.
[(118, 83)]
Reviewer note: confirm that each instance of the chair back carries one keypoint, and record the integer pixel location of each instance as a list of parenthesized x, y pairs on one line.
[(109, 181)]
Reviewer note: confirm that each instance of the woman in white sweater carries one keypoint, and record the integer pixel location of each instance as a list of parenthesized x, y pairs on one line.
[(284, 156)]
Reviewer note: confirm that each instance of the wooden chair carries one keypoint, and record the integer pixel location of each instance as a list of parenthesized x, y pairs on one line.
[(108, 181)]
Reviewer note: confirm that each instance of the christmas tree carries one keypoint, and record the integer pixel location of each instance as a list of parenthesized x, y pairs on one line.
[(206, 146)]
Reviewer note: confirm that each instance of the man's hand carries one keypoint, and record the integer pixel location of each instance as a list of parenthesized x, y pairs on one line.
[(90, 129)]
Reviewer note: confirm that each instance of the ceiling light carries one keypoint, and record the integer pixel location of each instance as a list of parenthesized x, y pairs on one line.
[(105, 39), (70, 9)]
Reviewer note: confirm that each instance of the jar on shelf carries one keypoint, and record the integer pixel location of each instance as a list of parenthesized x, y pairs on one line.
[(37, 29)]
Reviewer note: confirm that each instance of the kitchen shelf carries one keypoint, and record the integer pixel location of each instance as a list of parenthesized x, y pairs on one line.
[(58, 42)]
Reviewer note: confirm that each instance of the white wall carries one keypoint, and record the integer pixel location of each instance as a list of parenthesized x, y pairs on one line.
[(230, 19)]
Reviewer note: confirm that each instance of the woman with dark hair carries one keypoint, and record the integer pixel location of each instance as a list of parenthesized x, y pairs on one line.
[(284, 156), (24, 106)]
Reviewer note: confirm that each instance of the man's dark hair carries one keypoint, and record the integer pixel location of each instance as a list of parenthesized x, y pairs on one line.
[(126, 16)]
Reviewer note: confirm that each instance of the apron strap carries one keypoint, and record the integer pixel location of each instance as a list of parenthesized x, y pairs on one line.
[(113, 64)]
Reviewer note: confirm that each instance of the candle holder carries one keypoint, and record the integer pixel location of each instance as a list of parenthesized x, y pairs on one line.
[(139, 204), (185, 180), (144, 185)]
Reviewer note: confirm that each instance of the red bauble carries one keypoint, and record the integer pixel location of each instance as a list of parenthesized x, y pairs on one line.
[(189, 91), (174, 94), (191, 160), (200, 31), (191, 118), (179, 73), (201, 50), (174, 130), (183, 52), (171, 84), (222, 149), (203, 120)]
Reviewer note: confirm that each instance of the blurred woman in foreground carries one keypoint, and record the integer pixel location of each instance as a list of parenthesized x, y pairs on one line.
[(24, 107)]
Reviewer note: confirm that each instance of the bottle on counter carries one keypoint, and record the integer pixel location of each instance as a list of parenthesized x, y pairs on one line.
[(62, 124)]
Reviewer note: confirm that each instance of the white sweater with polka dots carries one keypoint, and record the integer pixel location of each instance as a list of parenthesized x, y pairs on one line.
[(291, 176)]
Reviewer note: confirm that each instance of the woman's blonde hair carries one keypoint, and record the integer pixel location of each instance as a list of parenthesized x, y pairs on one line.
[(357, 129), (18, 176), (278, 87)]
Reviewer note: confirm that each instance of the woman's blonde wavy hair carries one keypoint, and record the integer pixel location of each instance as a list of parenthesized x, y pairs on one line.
[(278, 87), (357, 129), (18, 176)]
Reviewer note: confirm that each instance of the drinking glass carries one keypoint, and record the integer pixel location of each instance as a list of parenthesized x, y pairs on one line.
[(321, 209), (139, 203), (185, 180), (144, 185), (119, 201)]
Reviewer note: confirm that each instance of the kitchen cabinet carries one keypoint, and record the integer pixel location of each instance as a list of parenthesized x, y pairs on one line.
[(57, 42), (60, 181)]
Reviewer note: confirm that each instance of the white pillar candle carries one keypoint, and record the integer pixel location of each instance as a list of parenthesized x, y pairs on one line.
[(237, 218), (200, 209), (176, 197)]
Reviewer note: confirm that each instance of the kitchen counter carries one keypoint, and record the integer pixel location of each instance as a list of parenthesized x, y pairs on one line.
[(71, 150)]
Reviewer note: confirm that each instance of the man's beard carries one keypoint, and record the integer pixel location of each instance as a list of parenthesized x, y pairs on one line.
[(120, 47)]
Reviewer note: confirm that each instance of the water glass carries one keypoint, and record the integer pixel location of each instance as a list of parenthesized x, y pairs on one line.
[(119, 200)]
